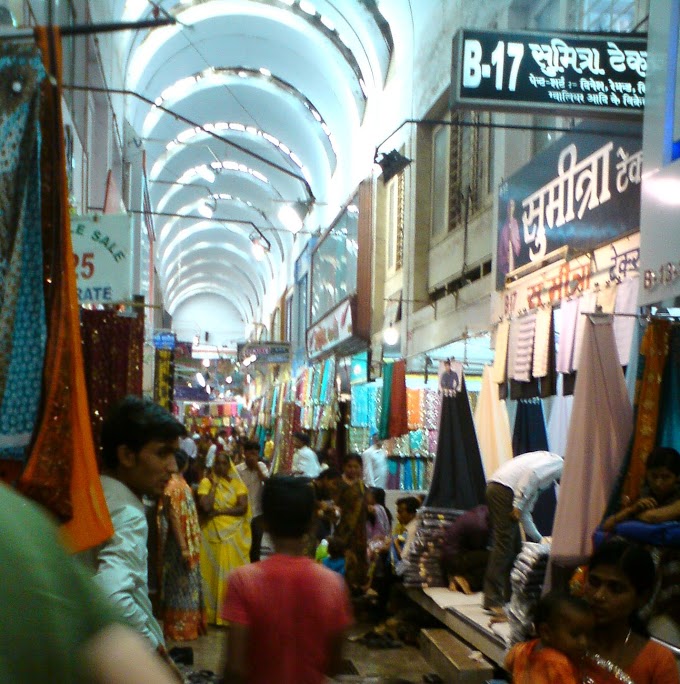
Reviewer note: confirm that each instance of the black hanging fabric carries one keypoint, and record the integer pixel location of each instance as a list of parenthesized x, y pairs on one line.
[(458, 480), (530, 435)]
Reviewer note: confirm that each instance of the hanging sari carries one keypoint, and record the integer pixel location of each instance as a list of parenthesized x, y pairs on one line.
[(22, 305), (180, 582), (225, 543), (62, 470)]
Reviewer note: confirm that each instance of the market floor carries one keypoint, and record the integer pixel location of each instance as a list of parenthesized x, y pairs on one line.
[(367, 665)]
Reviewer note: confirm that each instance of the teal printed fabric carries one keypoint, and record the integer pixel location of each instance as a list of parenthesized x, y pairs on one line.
[(384, 427), (23, 327)]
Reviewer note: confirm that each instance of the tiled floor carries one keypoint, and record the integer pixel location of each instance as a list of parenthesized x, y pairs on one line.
[(404, 664)]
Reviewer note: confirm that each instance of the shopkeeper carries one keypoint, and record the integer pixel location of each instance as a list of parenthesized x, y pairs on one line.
[(511, 494), (305, 461)]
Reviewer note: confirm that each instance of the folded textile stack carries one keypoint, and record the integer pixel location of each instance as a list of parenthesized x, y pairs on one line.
[(423, 566), (527, 578)]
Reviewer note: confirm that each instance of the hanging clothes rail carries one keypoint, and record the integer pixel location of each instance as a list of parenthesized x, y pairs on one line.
[(88, 29)]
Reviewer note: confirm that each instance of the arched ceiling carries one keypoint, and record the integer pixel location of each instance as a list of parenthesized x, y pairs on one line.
[(257, 106)]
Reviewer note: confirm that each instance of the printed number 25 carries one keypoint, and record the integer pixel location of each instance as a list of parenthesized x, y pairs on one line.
[(86, 263)]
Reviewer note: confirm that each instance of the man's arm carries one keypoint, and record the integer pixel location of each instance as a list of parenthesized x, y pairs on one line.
[(117, 654), (120, 573)]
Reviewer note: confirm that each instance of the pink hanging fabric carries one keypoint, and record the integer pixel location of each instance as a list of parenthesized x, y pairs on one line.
[(599, 434)]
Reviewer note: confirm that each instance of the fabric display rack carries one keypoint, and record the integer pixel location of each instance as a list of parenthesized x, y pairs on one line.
[(526, 362), (220, 416), (317, 396), (411, 455), (526, 579), (424, 566)]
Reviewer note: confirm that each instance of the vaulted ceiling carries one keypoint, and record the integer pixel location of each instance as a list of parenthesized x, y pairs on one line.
[(257, 106)]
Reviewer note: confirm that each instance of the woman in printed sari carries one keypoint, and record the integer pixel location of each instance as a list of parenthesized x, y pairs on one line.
[(351, 529), (179, 554), (620, 580), (223, 502)]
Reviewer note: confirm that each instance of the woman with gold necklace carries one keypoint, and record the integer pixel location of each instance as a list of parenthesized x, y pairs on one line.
[(620, 582)]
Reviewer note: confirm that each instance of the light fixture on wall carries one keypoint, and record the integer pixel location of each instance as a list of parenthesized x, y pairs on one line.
[(260, 246), (293, 215), (391, 164), (208, 207), (258, 249), (391, 335), (200, 379)]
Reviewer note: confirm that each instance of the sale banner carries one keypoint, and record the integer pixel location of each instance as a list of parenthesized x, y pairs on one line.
[(102, 255)]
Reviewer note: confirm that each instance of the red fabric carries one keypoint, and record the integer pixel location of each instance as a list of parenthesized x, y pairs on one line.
[(530, 663), (293, 608), (398, 408), (113, 349)]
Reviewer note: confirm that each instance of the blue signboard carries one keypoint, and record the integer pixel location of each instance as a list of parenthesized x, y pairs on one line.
[(164, 340), (581, 192)]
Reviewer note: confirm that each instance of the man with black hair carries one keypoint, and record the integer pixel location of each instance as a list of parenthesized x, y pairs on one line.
[(305, 461), (139, 440), (287, 614), (254, 473)]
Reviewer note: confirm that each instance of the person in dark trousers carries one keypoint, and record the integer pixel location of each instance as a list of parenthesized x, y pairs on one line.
[(254, 473), (511, 494)]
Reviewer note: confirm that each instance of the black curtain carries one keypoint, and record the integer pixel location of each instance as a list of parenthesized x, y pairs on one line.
[(458, 481), (530, 435)]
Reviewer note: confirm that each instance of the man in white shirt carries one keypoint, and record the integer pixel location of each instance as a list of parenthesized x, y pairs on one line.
[(254, 473), (305, 461), (375, 464), (511, 493), (188, 446), (139, 440), (210, 456)]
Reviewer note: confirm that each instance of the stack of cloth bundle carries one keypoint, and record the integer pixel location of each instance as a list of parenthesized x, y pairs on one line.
[(423, 566), (527, 579)]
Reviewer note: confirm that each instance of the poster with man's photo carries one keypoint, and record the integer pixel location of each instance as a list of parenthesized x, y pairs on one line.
[(450, 376)]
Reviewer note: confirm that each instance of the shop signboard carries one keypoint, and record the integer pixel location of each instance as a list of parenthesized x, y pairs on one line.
[(581, 192), (164, 340), (595, 271), (567, 74), (265, 352), (330, 331), (102, 254)]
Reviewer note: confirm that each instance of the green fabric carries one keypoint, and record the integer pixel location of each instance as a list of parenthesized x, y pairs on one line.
[(50, 606), (384, 426)]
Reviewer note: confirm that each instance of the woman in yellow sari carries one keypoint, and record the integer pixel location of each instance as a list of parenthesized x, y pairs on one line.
[(225, 544)]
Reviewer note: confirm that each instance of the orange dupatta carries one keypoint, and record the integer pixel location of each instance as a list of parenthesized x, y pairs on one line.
[(62, 471)]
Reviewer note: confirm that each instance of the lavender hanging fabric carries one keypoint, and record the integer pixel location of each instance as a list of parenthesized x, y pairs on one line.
[(23, 328), (458, 480)]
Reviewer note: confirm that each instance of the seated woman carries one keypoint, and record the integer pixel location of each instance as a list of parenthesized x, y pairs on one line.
[(660, 496), (619, 583)]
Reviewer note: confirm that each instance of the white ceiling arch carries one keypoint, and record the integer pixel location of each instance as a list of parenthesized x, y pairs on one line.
[(284, 84)]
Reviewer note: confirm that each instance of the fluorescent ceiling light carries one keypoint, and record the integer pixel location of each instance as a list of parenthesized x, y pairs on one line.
[(206, 210), (200, 379), (205, 173)]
